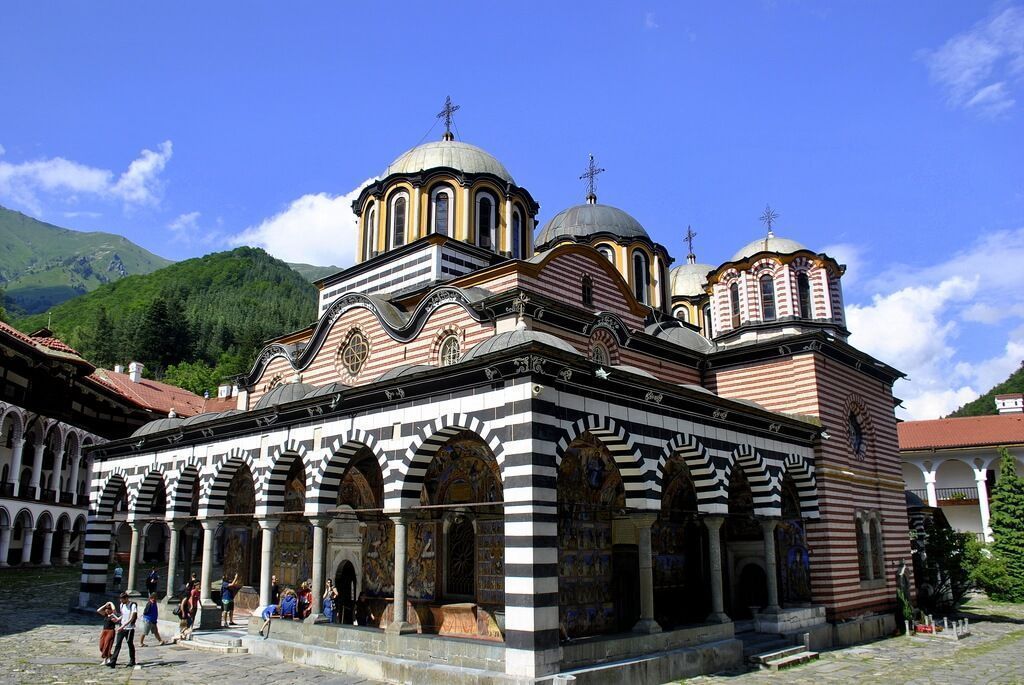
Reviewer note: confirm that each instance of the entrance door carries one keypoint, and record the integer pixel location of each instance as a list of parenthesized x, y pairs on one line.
[(752, 591), (345, 582), (461, 559), (626, 586)]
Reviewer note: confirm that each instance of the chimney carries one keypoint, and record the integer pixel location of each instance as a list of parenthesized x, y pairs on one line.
[(223, 391), (135, 370), (118, 368), (1010, 404)]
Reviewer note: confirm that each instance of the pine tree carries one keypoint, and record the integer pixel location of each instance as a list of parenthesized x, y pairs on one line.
[(1007, 521)]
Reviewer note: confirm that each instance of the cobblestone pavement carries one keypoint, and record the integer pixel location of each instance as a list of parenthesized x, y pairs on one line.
[(993, 653), (41, 643)]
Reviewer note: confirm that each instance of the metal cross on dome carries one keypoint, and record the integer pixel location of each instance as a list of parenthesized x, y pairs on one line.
[(690, 235), (591, 175), (446, 114), (768, 217)]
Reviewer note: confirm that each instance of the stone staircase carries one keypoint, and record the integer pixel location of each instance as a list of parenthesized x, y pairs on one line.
[(220, 640), (769, 651)]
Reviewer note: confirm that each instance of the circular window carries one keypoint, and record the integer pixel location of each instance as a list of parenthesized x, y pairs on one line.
[(451, 352), (857, 441), (354, 353)]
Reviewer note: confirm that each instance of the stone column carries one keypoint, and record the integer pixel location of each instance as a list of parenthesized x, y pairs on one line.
[(37, 471), (399, 624), (415, 229), (133, 555), (929, 484), (209, 528), (319, 530), (47, 547), (76, 465), (172, 556), (507, 239), (65, 546), (5, 545), (646, 624), (468, 229), (771, 565), (980, 478), (268, 526), (26, 546), (714, 526), (15, 473), (58, 471)]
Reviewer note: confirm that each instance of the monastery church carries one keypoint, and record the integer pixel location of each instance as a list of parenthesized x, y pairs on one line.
[(522, 450)]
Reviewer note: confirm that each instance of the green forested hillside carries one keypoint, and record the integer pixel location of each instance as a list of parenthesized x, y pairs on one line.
[(42, 265), (214, 310), (313, 273), (986, 404)]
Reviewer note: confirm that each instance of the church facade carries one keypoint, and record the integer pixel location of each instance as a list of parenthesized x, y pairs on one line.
[(545, 450)]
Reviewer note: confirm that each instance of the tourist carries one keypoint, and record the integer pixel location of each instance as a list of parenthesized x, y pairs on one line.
[(183, 624), (150, 615), (151, 581), (125, 631), (305, 599), (275, 590), (189, 584), (269, 612), (330, 599), (110, 618), (118, 573), (227, 600), (289, 604)]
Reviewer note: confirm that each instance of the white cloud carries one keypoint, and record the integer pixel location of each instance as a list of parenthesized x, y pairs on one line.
[(314, 229), (977, 67), (852, 256), (185, 226), (650, 22), (27, 183), (915, 322), (87, 215)]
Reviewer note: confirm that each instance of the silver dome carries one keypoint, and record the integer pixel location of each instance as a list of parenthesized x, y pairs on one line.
[(583, 221), (504, 341), (454, 154), (689, 279), (157, 426), (769, 243), (283, 394)]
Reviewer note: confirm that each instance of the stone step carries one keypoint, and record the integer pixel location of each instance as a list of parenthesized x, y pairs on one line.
[(801, 657), (775, 655), (222, 645), (752, 648)]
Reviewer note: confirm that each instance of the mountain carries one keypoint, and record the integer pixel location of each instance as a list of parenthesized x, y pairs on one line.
[(314, 273), (986, 404), (197, 310), (42, 265)]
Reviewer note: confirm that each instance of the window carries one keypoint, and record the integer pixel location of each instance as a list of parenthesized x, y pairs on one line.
[(877, 547), (398, 210), (485, 220), (734, 303), (354, 353), (803, 288), (682, 313), (767, 298), (441, 207), (856, 435), (450, 351), (599, 354), (370, 232), (608, 252), (518, 249), (587, 286), (708, 332), (870, 546), (641, 277), (864, 566)]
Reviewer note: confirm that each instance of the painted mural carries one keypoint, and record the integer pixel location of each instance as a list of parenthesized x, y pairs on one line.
[(794, 562), (379, 559), (490, 562), (678, 543)]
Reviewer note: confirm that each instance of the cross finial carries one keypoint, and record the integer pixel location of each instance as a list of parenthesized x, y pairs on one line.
[(690, 235), (591, 175), (446, 114), (768, 218)]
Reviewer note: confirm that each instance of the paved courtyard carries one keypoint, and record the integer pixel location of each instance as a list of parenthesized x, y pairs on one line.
[(42, 643)]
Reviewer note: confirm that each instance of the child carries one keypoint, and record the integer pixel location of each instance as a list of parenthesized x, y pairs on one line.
[(289, 605), (150, 614), (268, 614)]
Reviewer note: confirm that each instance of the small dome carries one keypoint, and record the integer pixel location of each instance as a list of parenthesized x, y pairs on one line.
[(329, 389), (157, 426), (469, 159), (770, 243), (688, 279), (634, 370), (208, 416), (504, 341), (683, 336), (583, 221), (283, 394), (404, 370)]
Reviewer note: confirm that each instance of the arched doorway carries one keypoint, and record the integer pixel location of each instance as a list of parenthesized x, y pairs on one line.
[(362, 541), (594, 597), (682, 574), (293, 543), (346, 583), (22, 534), (237, 538), (744, 546)]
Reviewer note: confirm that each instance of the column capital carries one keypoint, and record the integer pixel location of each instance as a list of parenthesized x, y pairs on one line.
[(769, 523), (643, 518), (268, 523), (176, 524), (319, 521), (929, 476), (208, 525), (713, 521), (400, 517)]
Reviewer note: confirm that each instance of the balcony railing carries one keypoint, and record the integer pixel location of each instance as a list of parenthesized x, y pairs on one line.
[(956, 495), (67, 498), (6, 489), (923, 494), (48, 496)]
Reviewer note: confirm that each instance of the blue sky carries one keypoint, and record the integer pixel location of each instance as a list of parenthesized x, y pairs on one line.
[(888, 134)]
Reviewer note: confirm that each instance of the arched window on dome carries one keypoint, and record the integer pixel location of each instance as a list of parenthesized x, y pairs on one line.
[(608, 252), (587, 287), (441, 206), (518, 247), (803, 289), (370, 232), (682, 313), (641, 277), (767, 297), (708, 332), (397, 227), (486, 219), (734, 303)]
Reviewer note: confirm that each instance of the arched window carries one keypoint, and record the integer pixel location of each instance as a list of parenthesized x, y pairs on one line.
[(608, 252), (370, 232), (587, 286), (734, 303), (398, 223), (599, 354), (441, 210), (451, 352), (803, 288), (641, 277), (877, 547), (486, 220), (682, 313), (767, 298), (708, 331), (518, 248), (856, 435)]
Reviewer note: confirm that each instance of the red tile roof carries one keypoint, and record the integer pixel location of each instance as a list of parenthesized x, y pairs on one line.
[(968, 431), (45, 343), (154, 395), (219, 404)]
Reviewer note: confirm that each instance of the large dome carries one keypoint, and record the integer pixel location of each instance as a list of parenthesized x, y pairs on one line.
[(769, 243), (687, 280), (469, 159), (583, 221)]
